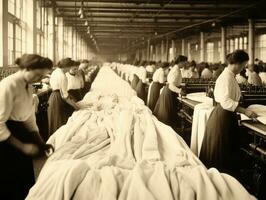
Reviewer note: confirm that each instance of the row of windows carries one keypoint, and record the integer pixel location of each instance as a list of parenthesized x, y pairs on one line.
[(17, 40)]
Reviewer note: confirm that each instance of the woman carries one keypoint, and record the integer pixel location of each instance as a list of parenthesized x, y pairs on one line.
[(220, 144), (140, 88), (155, 87), (75, 83), (253, 75), (61, 104), (19, 134), (241, 78), (263, 75), (206, 73), (134, 78), (167, 105)]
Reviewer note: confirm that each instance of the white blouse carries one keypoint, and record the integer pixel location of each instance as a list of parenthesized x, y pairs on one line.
[(16, 103), (58, 81), (227, 91), (74, 82), (263, 77), (206, 73), (174, 77), (254, 79)]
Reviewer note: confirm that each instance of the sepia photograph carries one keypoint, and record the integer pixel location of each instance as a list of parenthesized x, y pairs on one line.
[(132, 99)]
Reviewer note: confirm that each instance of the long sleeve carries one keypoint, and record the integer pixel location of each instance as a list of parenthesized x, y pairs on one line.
[(30, 123), (224, 98), (227, 91), (6, 104), (63, 86)]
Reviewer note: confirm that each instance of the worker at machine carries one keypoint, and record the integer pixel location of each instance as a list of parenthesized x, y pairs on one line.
[(167, 105), (220, 147), (61, 105)]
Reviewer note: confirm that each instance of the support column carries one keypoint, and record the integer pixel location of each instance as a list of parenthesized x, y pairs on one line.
[(223, 45), (216, 53), (251, 41), (167, 50), (202, 47), (4, 33), (148, 50), (156, 53), (51, 34), (174, 49), (188, 51), (151, 52), (60, 39), (183, 46), (162, 51)]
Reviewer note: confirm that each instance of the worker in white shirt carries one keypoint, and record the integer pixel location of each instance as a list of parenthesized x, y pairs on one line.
[(220, 146), (61, 105), (74, 83), (206, 73), (19, 134)]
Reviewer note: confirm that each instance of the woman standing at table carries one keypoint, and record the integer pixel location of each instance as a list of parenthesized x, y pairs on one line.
[(167, 106), (220, 144), (61, 104), (158, 80), (19, 134)]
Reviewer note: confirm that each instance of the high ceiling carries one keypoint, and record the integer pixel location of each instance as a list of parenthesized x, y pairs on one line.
[(119, 24)]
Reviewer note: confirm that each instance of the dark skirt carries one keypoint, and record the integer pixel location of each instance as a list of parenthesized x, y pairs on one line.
[(86, 89), (141, 91), (135, 82), (76, 94), (220, 144), (166, 107), (16, 169), (154, 94), (58, 112)]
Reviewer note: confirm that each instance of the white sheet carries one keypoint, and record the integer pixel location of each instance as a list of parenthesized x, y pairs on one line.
[(119, 150), (200, 117)]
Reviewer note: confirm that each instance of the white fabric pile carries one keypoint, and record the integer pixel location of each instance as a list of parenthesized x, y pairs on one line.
[(115, 148)]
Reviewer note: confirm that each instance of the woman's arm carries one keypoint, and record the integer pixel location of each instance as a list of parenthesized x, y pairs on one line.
[(248, 113), (29, 149)]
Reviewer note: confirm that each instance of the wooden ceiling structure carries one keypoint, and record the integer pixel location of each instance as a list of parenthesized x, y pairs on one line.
[(123, 24)]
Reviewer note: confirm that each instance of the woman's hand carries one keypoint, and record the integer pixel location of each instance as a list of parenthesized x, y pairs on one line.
[(250, 114), (30, 149)]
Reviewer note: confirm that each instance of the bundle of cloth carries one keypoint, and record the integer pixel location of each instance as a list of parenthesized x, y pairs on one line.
[(115, 148)]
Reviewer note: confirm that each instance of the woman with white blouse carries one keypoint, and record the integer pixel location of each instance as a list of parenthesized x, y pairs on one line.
[(167, 106), (220, 145), (61, 105), (19, 134), (75, 83), (158, 80)]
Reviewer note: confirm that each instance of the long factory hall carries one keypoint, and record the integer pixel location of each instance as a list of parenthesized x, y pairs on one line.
[(132, 99)]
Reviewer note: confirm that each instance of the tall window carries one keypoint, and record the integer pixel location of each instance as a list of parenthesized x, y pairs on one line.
[(261, 47), (245, 43), (241, 43), (16, 30), (210, 52), (10, 43), (232, 46)]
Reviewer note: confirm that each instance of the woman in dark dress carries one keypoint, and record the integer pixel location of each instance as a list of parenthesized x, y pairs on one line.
[(167, 105), (19, 135), (134, 78), (220, 145), (155, 87), (61, 104), (141, 86)]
